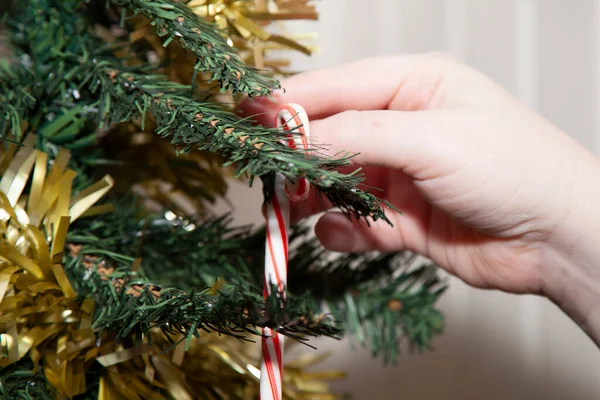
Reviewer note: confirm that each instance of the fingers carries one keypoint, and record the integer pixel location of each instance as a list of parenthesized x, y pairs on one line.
[(406, 82), (409, 231), (339, 233), (407, 141), (394, 148), (385, 138), (375, 181), (315, 204)]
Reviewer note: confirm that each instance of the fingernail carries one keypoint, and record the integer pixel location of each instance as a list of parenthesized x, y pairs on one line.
[(337, 233)]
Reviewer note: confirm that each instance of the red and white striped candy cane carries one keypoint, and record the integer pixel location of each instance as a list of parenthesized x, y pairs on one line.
[(293, 118)]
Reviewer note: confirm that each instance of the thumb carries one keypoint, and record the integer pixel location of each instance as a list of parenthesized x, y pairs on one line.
[(410, 141)]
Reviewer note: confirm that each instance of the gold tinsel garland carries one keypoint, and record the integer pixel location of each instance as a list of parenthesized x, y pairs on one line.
[(246, 21), (40, 316)]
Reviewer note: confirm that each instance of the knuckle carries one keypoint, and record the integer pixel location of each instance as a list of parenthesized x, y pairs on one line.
[(347, 124)]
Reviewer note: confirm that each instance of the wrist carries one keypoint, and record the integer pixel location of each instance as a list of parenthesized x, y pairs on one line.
[(574, 286), (570, 275)]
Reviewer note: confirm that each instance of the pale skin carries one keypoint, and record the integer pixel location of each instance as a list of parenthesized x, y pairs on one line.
[(489, 190)]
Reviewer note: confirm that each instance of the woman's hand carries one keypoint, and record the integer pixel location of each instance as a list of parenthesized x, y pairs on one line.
[(489, 190)]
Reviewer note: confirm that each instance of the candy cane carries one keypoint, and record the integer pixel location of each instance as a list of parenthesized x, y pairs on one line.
[(293, 118)]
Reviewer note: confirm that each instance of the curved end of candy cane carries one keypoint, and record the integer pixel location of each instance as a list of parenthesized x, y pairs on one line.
[(293, 117)]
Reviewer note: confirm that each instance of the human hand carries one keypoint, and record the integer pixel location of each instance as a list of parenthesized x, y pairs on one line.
[(488, 190)]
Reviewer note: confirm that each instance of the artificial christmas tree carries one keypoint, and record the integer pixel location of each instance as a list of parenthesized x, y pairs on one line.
[(116, 281)]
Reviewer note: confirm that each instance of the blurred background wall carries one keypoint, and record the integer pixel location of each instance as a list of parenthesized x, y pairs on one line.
[(547, 52)]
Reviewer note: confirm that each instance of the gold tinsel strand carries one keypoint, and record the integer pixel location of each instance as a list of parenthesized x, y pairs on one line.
[(39, 314), (246, 24)]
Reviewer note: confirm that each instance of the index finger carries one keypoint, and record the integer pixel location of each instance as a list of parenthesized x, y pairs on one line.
[(405, 83)]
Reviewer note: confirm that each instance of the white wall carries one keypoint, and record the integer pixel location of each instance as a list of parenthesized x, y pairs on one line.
[(496, 346)]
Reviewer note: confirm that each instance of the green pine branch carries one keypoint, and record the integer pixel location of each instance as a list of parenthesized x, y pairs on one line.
[(175, 21), (18, 381), (16, 99), (256, 150), (129, 303), (378, 299), (381, 317), (78, 80)]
